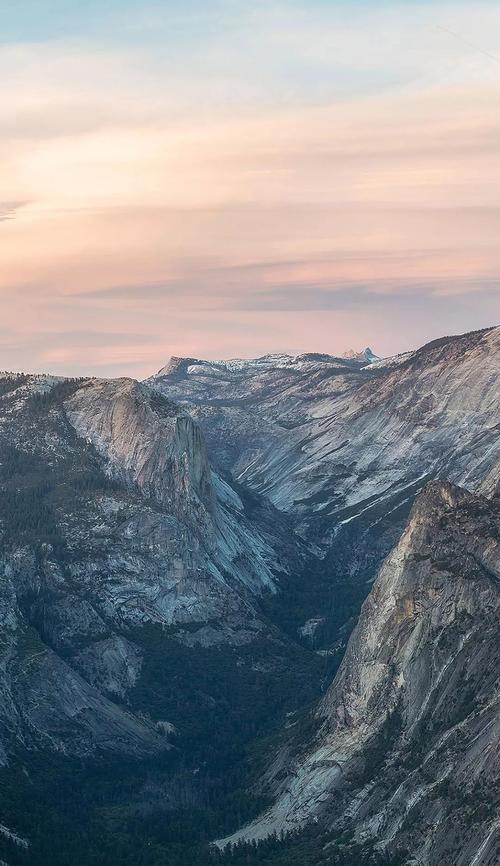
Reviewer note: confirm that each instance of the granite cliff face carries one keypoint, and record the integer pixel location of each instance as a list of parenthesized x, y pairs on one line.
[(330, 439), (343, 447), (147, 443), (407, 751), (112, 524)]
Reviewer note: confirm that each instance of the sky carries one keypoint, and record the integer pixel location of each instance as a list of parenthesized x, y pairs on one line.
[(228, 178)]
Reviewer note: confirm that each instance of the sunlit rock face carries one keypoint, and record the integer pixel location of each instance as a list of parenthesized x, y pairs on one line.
[(148, 442), (145, 442), (333, 440), (112, 522), (406, 752)]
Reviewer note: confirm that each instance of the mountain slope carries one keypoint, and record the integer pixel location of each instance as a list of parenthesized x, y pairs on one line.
[(179, 583), (407, 751), (114, 532), (342, 448), (325, 438)]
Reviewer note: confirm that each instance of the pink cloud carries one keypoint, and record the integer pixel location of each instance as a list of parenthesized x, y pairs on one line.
[(212, 215)]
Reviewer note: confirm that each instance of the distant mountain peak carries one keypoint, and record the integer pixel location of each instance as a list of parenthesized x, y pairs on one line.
[(365, 355), (176, 364)]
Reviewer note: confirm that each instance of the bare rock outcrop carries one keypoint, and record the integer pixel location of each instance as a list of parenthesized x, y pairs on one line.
[(407, 752)]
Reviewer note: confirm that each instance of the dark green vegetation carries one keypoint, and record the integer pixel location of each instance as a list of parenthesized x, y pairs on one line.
[(166, 811), (32, 488), (91, 815), (335, 586)]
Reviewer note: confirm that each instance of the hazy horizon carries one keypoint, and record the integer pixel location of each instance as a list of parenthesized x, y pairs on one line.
[(230, 179), (162, 362)]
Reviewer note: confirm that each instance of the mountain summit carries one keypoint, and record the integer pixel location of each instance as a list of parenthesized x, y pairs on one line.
[(365, 355)]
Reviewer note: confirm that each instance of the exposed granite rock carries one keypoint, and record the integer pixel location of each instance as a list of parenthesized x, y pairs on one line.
[(490, 485), (112, 522), (329, 440), (342, 448), (408, 748), (46, 704), (149, 444), (112, 665)]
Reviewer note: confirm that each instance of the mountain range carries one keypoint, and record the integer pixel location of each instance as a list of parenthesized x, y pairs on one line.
[(250, 611)]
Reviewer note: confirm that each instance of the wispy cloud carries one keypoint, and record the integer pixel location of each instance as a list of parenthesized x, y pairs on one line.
[(8, 209)]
